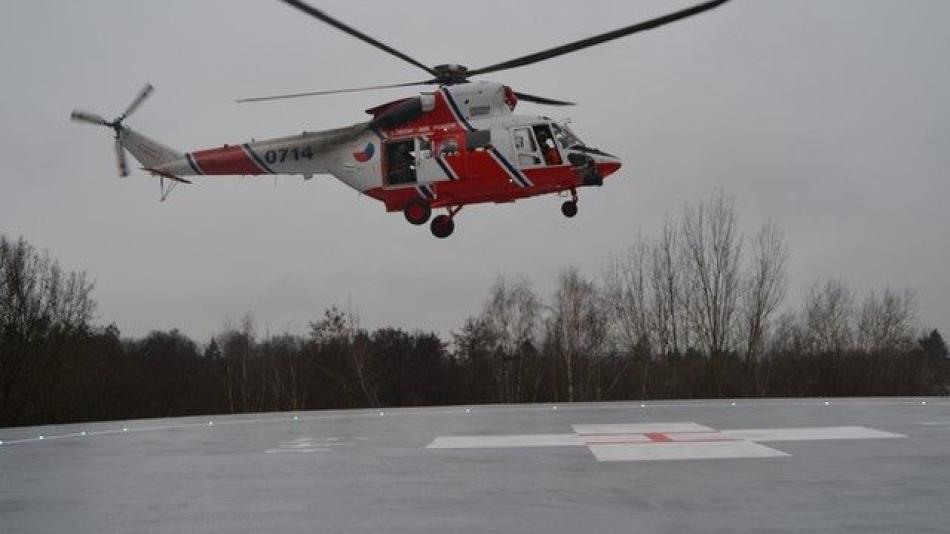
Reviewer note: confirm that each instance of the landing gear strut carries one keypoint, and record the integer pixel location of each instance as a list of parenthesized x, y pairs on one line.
[(443, 225), (569, 207), (417, 211)]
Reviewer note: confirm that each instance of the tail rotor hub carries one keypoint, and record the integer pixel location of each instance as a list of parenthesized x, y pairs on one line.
[(116, 125)]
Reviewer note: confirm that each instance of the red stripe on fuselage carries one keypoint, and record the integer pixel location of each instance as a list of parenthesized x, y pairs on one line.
[(478, 188), (227, 160)]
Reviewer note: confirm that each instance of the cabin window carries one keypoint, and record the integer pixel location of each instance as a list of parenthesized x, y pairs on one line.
[(401, 162), (524, 141), (525, 147), (548, 147)]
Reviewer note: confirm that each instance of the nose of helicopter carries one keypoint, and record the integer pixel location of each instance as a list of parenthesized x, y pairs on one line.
[(591, 164), (607, 165)]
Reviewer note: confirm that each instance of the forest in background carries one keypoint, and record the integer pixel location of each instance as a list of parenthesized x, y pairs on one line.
[(696, 311)]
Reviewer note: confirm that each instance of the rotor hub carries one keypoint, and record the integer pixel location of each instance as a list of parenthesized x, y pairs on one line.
[(451, 73)]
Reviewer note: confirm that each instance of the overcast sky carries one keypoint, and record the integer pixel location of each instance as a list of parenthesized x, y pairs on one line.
[(831, 117)]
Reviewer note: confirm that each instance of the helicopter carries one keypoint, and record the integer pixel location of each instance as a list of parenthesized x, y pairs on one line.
[(456, 145)]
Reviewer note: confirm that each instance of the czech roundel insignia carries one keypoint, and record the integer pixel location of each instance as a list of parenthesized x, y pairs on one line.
[(366, 154)]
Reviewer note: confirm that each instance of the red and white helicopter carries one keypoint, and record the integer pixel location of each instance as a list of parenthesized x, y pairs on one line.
[(457, 145)]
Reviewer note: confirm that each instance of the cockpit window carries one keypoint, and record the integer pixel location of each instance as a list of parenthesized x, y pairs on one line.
[(565, 136)]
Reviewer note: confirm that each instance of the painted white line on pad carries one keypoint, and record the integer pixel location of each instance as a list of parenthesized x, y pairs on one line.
[(592, 439), (810, 433), (315, 449), (640, 428), (684, 451)]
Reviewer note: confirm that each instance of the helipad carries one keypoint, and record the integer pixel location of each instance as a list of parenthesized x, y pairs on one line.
[(802, 465), (665, 441)]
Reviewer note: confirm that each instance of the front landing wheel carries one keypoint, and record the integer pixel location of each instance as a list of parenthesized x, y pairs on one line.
[(569, 208), (442, 226), (417, 211)]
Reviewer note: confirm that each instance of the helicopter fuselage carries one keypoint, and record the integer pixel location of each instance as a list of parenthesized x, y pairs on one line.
[(458, 145)]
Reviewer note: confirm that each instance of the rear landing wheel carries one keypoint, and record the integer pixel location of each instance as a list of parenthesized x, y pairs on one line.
[(417, 211), (569, 208), (442, 226)]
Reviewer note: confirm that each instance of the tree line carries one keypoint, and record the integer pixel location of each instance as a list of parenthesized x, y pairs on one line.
[(698, 310)]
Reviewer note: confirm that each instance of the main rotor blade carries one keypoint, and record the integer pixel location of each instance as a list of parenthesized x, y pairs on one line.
[(335, 91), (121, 162), (316, 13), (598, 39), (91, 118), (143, 94), (541, 100)]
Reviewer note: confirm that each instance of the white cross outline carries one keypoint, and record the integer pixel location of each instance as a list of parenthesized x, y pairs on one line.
[(665, 441)]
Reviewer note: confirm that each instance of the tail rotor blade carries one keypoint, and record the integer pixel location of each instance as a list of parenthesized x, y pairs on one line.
[(123, 164), (90, 118), (147, 90)]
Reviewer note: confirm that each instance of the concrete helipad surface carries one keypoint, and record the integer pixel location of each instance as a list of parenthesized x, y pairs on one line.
[(802, 465)]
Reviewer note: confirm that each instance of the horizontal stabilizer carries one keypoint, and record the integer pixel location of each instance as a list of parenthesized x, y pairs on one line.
[(156, 172)]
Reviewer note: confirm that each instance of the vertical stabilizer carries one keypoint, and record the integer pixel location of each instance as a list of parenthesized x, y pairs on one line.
[(148, 152)]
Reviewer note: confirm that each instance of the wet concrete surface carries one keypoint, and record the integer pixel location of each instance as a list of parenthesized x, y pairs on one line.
[(795, 465)]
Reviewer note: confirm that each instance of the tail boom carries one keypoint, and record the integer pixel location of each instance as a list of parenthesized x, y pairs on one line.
[(301, 154)]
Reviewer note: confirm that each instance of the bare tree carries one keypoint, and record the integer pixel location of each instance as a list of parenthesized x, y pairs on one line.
[(788, 335), (282, 354), (886, 322), (245, 354), (631, 314), (829, 314), (238, 346), (41, 309), (577, 329), (763, 291), (360, 360), (712, 253), (342, 331), (666, 281), (626, 294), (511, 318)]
